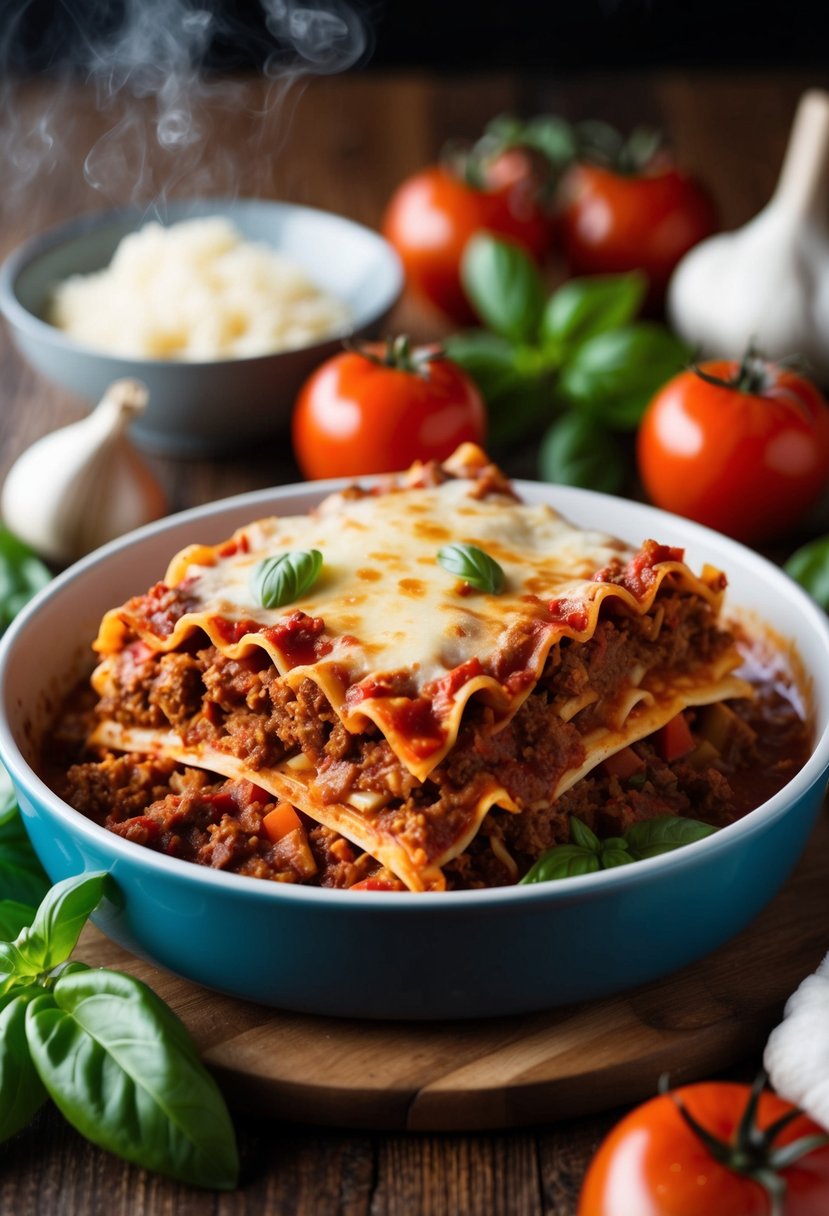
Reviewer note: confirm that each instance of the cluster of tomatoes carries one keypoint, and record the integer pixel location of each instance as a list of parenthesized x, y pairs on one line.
[(606, 219), (742, 446)]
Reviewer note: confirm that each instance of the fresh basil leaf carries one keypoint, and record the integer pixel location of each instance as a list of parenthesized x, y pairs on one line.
[(21, 1090), (22, 877), (584, 836), (577, 451), (123, 1070), (615, 374), (286, 578), (14, 916), (611, 858), (582, 308), (564, 861), (22, 574), (8, 797), (809, 566), (54, 932), (16, 968), (651, 837), (474, 566), (488, 358), (504, 286)]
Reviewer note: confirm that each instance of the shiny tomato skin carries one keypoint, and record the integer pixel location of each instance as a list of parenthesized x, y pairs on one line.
[(433, 214), (747, 464), (612, 223), (653, 1164), (356, 416)]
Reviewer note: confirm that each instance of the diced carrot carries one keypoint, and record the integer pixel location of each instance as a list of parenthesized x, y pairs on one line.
[(280, 821), (376, 884), (623, 764), (675, 739)]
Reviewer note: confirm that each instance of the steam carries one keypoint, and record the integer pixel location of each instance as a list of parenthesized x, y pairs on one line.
[(151, 82)]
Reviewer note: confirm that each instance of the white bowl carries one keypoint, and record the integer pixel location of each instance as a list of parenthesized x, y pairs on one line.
[(215, 406)]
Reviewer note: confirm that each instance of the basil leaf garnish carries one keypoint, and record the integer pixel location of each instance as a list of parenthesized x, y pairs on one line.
[(123, 1070), (564, 861), (474, 566), (651, 837), (584, 836), (282, 580), (588, 854)]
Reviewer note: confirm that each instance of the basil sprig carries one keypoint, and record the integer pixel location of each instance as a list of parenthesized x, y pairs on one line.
[(579, 353), (587, 854), (474, 566), (282, 580), (112, 1056)]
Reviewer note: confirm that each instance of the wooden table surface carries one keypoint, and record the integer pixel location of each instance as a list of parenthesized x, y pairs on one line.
[(341, 143)]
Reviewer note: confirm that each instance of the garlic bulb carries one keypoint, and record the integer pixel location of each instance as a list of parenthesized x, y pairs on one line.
[(767, 283), (797, 1053), (84, 484)]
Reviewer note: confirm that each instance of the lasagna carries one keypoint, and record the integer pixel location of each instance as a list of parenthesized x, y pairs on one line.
[(353, 698)]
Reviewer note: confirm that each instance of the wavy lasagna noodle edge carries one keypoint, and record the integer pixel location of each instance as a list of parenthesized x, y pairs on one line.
[(644, 704)]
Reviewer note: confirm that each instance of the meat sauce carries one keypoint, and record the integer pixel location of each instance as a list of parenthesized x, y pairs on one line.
[(199, 817)]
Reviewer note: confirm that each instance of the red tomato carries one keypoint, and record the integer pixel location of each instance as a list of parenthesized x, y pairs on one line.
[(748, 455), (432, 215), (377, 410), (612, 222), (654, 1164)]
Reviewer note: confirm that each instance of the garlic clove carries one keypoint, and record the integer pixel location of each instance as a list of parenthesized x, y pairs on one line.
[(768, 282), (796, 1057), (83, 484)]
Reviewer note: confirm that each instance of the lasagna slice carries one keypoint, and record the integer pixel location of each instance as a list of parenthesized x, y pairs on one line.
[(394, 701)]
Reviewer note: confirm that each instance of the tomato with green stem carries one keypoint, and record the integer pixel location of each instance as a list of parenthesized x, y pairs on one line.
[(627, 206), (378, 408), (716, 1148), (742, 446)]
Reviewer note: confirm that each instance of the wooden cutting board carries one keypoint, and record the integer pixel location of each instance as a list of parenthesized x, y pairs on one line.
[(513, 1071)]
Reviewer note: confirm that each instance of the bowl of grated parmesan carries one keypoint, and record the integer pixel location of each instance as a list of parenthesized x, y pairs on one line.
[(221, 308)]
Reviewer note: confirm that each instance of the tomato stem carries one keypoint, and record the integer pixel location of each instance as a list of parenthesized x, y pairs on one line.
[(751, 376), (752, 1152), (400, 355)]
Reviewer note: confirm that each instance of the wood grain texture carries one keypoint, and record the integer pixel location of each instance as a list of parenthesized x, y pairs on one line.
[(344, 143), (515, 1071)]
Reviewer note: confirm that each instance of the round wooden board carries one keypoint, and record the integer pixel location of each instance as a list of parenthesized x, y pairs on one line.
[(514, 1071)]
